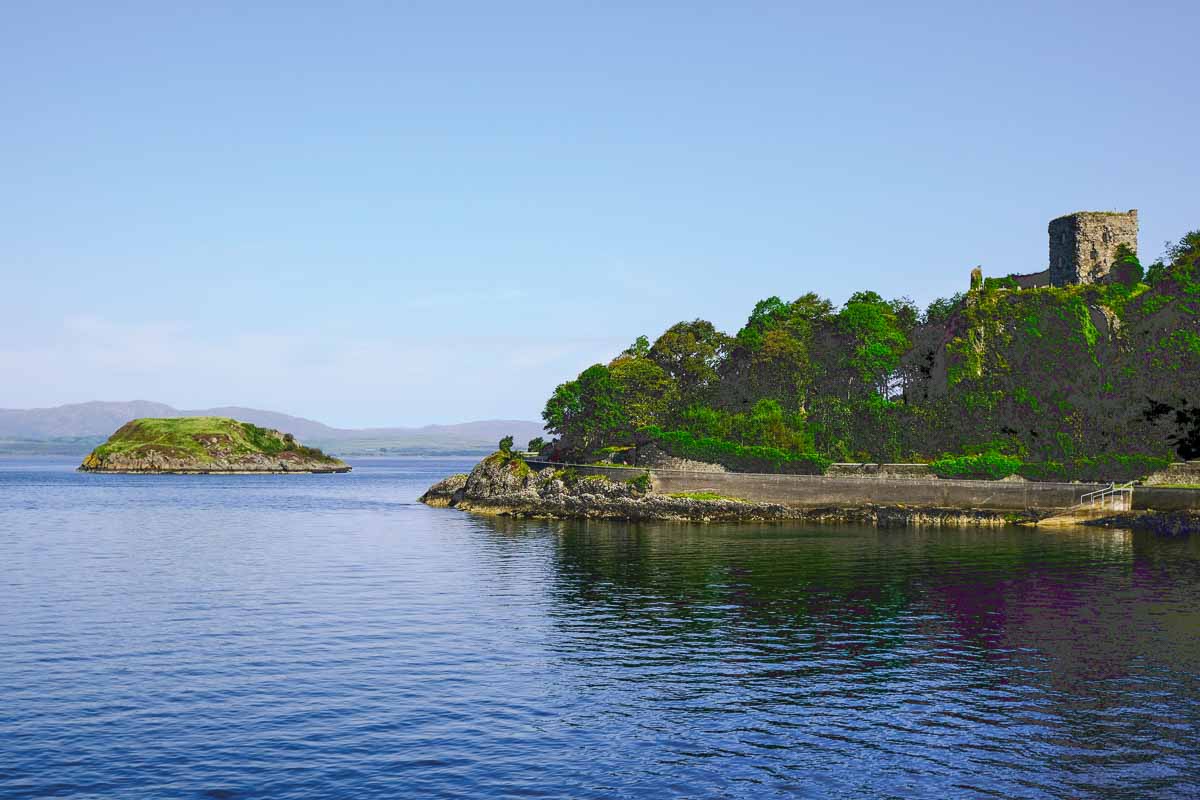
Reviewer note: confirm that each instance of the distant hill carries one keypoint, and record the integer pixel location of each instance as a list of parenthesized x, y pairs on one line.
[(79, 427)]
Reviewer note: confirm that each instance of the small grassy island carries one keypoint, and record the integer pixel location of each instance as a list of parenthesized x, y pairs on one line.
[(205, 445)]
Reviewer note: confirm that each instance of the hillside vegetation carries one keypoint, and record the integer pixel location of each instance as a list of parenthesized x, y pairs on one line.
[(1051, 383)]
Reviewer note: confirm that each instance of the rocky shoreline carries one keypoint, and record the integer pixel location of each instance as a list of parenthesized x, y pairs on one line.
[(295, 471), (153, 463), (506, 486), (1163, 523)]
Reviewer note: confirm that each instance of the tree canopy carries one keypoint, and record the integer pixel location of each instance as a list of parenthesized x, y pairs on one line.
[(1051, 375)]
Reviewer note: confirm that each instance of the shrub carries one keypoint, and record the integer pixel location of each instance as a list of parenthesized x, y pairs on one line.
[(991, 466), (641, 483), (536, 444), (506, 444), (1104, 467), (736, 457)]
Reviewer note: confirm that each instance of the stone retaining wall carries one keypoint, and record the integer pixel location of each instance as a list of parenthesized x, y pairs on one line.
[(901, 471), (822, 491), (1179, 472)]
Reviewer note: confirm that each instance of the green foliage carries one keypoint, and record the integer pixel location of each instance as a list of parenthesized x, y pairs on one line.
[(739, 458), (639, 349), (1126, 270), (510, 460), (1181, 267), (568, 476), (990, 466), (940, 310), (1050, 375), (877, 338), (1104, 467), (645, 392), (795, 318), (641, 483), (690, 352), (1008, 283), (765, 315), (201, 439), (766, 424), (705, 496), (706, 422), (588, 411), (506, 444), (536, 444)]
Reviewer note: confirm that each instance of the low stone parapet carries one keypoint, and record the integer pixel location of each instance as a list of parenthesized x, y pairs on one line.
[(1180, 473)]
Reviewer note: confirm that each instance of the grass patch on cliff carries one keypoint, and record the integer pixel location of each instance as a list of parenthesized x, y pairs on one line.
[(507, 459), (706, 496)]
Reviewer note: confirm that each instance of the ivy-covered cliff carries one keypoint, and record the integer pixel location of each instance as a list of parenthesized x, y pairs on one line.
[(1055, 382)]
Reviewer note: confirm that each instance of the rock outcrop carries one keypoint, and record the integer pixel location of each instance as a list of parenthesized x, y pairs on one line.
[(1163, 523)]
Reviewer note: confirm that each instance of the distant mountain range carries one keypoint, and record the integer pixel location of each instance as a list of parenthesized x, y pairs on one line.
[(79, 427)]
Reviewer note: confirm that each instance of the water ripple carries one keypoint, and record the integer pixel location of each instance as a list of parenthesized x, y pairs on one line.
[(318, 636)]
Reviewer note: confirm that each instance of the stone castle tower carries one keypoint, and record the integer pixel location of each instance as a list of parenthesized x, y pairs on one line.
[(1083, 245)]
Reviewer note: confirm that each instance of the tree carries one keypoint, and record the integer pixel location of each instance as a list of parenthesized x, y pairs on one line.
[(878, 338), (639, 349), (796, 318), (645, 390), (690, 352), (536, 444), (506, 445), (587, 412), (769, 425), (780, 369), (563, 407)]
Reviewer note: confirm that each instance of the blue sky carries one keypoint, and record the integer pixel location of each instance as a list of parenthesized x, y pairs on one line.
[(401, 213)]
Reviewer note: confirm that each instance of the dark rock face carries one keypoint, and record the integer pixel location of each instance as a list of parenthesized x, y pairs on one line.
[(1164, 523), (446, 492)]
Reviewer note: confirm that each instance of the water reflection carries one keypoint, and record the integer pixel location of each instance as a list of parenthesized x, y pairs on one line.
[(1039, 658)]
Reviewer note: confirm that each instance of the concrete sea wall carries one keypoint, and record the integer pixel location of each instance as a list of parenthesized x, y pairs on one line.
[(823, 491)]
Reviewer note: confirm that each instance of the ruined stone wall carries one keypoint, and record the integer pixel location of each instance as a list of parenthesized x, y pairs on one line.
[(1084, 245), (1032, 280)]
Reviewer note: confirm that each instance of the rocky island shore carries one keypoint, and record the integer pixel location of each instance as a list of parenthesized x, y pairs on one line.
[(504, 485), (205, 445)]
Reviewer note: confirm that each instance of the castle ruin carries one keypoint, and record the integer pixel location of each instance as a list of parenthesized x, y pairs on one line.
[(1083, 247)]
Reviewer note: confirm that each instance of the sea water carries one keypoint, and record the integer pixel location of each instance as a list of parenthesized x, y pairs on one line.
[(327, 636)]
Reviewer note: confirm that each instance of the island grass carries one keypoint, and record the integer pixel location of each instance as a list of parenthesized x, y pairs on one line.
[(194, 437)]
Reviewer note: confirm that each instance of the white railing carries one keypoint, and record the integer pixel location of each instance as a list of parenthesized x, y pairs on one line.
[(1119, 498)]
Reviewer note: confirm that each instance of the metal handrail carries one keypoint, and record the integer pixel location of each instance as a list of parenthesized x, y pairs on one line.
[(1100, 498), (1090, 497)]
